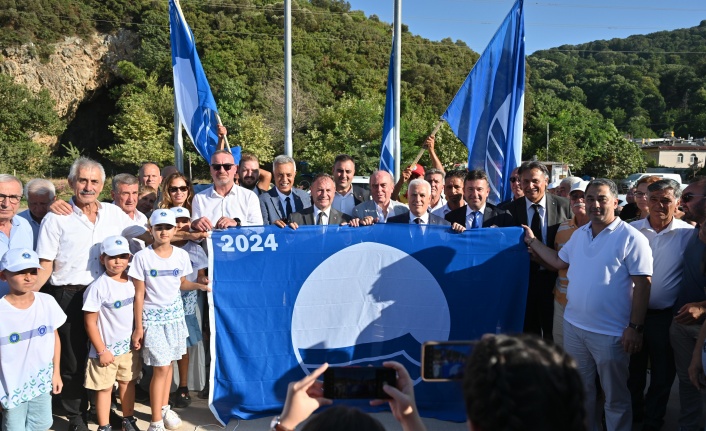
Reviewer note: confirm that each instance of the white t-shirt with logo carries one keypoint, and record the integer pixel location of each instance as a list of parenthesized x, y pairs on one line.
[(27, 349), (199, 260), (113, 301), (162, 277)]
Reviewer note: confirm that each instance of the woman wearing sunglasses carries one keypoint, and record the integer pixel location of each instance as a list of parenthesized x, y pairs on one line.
[(176, 192)]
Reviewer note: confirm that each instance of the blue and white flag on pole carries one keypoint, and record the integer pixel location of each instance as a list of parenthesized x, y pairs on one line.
[(487, 112), (194, 101), (285, 301), (387, 158)]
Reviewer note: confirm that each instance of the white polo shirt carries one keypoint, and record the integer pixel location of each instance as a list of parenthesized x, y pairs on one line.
[(239, 203), (73, 242), (441, 212), (667, 254), (600, 287)]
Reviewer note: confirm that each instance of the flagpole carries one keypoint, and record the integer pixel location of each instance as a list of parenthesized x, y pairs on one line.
[(398, 75), (225, 138), (288, 77), (178, 140)]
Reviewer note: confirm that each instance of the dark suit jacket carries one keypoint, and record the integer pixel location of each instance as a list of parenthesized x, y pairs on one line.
[(558, 210), (404, 218), (492, 216), (271, 206), (305, 217), (360, 194)]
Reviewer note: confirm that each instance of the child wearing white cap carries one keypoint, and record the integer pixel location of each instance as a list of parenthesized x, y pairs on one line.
[(159, 273), (29, 345), (199, 263), (108, 314)]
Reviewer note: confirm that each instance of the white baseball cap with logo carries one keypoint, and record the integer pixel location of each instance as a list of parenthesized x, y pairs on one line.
[(181, 212), (162, 216), (19, 259), (115, 246)]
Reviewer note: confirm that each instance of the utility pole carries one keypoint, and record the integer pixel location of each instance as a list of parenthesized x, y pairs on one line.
[(288, 77)]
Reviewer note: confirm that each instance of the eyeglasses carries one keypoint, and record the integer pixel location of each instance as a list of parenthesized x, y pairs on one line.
[(684, 198), (14, 199), (182, 189), (514, 179), (218, 166)]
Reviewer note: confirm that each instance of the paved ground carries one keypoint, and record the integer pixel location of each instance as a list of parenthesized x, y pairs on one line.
[(198, 417)]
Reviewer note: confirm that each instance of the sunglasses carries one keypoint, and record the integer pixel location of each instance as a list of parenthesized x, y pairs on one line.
[(225, 166), (514, 179), (689, 196), (183, 189)]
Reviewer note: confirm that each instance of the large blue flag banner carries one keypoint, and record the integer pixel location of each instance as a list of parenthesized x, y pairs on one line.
[(194, 101), (387, 158), (487, 112), (287, 301)]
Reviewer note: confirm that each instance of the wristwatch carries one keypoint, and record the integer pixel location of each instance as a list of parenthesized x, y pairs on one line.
[(638, 328), (276, 426)]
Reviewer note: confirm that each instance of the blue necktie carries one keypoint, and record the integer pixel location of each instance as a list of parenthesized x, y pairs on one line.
[(477, 217)]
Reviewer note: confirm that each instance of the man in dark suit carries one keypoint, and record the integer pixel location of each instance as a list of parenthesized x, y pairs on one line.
[(478, 212), (348, 195), (543, 213), (322, 213), (419, 195), (278, 203)]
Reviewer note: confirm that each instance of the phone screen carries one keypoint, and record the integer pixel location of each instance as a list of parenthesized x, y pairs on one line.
[(444, 361), (358, 382)]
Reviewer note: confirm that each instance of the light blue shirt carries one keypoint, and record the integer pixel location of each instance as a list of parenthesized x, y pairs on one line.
[(33, 223), (21, 236)]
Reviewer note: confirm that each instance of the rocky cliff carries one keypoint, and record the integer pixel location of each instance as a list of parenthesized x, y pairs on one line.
[(74, 72)]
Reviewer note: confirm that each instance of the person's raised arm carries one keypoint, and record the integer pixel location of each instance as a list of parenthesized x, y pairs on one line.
[(429, 144), (406, 174), (263, 183), (401, 401), (303, 398)]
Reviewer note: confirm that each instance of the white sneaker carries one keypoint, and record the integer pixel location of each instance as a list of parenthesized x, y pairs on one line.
[(172, 421), (157, 426)]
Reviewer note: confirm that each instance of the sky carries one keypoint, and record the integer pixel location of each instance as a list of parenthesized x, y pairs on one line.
[(547, 24)]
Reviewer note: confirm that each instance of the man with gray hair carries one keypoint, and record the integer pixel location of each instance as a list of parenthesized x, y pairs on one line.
[(15, 231), (668, 237), (610, 266), (419, 195), (565, 186), (69, 251), (381, 207), (278, 203), (40, 193)]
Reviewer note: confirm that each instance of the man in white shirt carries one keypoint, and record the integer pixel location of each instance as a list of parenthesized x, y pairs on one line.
[(69, 251), (668, 237), (348, 195), (381, 207), (435, 178), (224, 204), (610, 269), (125, 196), (322, 212), (419, 192), (453, 190), (40, 193)]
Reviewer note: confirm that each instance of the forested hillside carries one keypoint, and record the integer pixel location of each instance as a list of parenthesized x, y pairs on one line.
[(590, 95)]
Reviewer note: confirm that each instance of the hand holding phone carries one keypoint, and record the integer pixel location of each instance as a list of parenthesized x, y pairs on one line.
[(358, 382)]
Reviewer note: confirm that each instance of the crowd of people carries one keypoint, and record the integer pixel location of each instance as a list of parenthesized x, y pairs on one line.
[(616, 294)]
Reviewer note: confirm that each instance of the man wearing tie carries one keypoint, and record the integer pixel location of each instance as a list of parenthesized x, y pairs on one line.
[(478, 212), (419, 195), (280, 202), (543, 212), (322, 191)]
